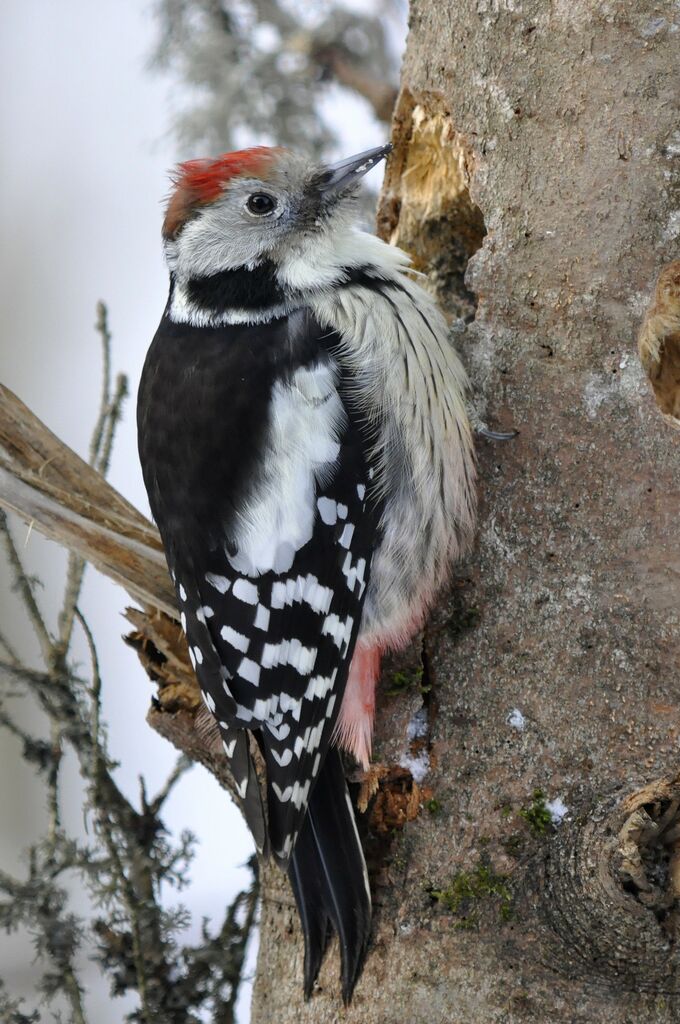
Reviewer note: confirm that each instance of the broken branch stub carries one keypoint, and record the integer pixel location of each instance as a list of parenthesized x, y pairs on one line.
[(609, 891)]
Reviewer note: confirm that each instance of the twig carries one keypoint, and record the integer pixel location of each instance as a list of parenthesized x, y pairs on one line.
[(11, 653), (15, 729), (95, 693), (103, 787), (182, 765), (53, 815), (101, 444), (26, 591), (74, 993), (101, 464), (102, 328)]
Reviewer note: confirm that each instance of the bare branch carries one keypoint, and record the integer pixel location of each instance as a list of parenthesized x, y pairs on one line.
[(114, 415), (32, 677), (53, 815), (102, 328), (100, 453), (44, 481), (15, 729), (182, 765), (9, 649), (74, 993), (25, 589), (95, 692)]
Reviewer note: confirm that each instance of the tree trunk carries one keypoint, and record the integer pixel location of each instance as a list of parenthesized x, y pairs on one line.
[(550, 672)]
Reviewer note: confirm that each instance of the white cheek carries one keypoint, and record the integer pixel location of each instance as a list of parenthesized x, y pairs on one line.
[(222, 237)]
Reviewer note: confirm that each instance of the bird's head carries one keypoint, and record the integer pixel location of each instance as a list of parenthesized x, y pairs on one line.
[(262, 212)]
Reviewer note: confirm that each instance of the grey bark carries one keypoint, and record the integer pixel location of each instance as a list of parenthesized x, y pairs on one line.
[(554, 128)]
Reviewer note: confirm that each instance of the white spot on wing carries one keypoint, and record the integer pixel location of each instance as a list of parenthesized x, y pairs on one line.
[(235, 639), (328, 510), (245, 591), (284, 852), (310, 739), (346, 535), (340, 630), (261, 617), (249, 670), (319, 686), (198, 655), (283, 759), (209, 702), (300, 793), (302, 588), (315, 595), (280, 733), (284, 795), (182, 593), (229, 747), (289, 652), (291, 704), (220, 583)]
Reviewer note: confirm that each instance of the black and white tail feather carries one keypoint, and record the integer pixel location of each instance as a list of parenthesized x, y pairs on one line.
[(328, 874)]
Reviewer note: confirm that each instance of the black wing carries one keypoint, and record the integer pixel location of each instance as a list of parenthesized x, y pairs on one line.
[(271, 649), (285, 640)]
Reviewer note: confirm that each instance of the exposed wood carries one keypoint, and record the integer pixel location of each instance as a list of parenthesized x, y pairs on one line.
[(49, 486)]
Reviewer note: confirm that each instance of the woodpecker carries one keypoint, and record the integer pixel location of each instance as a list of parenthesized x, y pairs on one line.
[(309, 463)]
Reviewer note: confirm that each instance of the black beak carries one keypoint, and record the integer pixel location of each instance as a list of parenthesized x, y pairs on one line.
[(340, 176)]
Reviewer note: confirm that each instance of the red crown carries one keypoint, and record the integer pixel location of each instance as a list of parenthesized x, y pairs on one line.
[(201, 181)]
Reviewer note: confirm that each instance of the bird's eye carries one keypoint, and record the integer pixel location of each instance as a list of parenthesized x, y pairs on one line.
[(260, 204)]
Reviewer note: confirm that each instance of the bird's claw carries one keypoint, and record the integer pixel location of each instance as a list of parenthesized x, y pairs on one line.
[(497, 435)]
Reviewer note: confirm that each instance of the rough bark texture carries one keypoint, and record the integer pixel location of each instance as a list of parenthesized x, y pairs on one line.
[(554, 128)]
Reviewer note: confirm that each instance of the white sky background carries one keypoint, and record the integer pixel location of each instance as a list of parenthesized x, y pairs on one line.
[(85, 146)]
